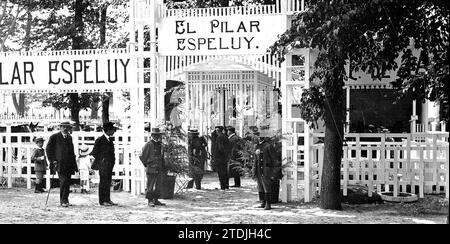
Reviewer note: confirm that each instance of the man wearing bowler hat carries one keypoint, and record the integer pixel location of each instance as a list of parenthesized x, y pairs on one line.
[(61, 156), (104, 161), (152, 157)]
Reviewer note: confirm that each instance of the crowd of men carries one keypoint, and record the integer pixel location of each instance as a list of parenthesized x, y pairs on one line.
[(226, 157)]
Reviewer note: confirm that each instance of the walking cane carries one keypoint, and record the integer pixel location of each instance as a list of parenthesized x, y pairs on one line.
[(49, 189)]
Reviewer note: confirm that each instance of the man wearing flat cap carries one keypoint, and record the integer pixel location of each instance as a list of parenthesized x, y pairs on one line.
[(152, 157), (61, 155), (104, 160)]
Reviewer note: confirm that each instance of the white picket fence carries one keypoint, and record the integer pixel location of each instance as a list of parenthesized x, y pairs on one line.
[(141, 10), (414, 163), (16, 149)]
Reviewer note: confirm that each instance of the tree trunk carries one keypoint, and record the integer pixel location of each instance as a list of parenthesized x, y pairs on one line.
[(103, 12), (94, 109), (330, 192), (75, 109), (77, 43), (106, 96), (105, 107), (78, 35), (19, 104)]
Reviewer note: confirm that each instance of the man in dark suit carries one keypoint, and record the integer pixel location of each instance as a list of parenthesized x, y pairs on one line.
[(267, 169), (103, 152), (61, 156), (235, 162), (152, 157), (221, 154), (197, 158), (213, 147)]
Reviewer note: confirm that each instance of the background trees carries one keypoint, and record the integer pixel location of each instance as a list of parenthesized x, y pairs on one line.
[(58, 25), (370, 35)]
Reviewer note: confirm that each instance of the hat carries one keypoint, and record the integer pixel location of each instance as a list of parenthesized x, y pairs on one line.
[(263, 133), (231, 128), (156, 131), (193, 131), (84, 150), (109, 126), (38, 138), (65, 123)]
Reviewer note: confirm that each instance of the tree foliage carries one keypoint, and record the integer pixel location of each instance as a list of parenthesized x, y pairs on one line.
[(370, 35), (56, 25), (213, 3)]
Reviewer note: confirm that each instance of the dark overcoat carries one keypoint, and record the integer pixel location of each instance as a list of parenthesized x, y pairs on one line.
[(61, 150), (197, 154), (267, 164), (236, 145), (222, 150), (103, 152)]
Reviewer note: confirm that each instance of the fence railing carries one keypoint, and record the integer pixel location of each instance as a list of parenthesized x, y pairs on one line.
[(141, 10), (413, 163), (16, 150)]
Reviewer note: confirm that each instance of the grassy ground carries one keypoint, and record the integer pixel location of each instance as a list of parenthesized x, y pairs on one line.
[(206, 206)]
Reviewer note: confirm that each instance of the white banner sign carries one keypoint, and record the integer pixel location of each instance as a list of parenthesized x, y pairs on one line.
[(79, 72), (221, 35)]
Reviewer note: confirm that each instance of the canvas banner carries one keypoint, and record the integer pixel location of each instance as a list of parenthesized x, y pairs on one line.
[(219, 35), (65, 72)]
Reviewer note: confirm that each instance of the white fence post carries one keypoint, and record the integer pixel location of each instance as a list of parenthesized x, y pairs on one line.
[(9, 154), (28, 166)]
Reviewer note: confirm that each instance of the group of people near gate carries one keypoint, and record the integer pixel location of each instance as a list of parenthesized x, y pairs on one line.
[(60, 153), (225, 152), (227, 160)]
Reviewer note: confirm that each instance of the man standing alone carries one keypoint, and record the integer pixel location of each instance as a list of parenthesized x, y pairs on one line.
[(103, 153), (152, 157), (61, 155), (267, 169)]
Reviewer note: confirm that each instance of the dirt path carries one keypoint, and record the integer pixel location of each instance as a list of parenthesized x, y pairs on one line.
[(234, 206)]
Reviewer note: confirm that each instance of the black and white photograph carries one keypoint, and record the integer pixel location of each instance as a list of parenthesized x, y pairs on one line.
[(250, 113)]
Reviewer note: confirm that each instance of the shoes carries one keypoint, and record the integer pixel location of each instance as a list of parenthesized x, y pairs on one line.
[(158, 203), (151, 204), (198, 188), (64, 205), (105, 204), (112, 203), (235, 186)]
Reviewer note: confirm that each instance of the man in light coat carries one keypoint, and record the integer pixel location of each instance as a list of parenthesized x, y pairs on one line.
[(152, 157)]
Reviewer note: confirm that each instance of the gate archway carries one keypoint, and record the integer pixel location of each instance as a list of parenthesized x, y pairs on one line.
[(178, 40)]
